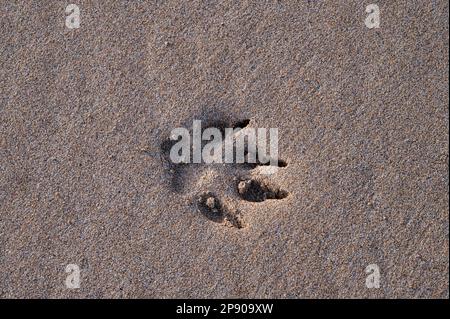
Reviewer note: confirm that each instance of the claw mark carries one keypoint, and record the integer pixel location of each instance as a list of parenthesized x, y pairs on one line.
[(253, 190), (213, 209), (241, 124), (280, 163)]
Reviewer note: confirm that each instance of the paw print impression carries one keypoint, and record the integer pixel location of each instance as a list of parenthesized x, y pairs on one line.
[(217, 190)]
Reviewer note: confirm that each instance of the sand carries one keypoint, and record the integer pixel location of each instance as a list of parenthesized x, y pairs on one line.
[(363, 122)]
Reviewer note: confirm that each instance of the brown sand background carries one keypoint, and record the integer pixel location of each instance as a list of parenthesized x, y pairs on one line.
[(363, 120)]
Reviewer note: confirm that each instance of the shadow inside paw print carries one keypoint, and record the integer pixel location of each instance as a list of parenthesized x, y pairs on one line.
[(253, 190), (251, 186)]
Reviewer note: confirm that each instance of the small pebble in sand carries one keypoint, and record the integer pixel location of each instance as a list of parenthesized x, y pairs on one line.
[(211, 202), (242, 186)]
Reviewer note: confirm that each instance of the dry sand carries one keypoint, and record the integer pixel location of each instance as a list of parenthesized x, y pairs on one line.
[(363, 121)]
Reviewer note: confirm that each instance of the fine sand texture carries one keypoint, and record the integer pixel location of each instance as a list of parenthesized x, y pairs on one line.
[(362, 115)]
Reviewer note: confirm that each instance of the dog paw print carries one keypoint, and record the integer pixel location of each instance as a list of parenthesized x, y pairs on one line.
[(217, 189)]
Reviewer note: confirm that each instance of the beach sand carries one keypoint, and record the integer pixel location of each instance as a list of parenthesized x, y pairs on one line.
[(363, 128)]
